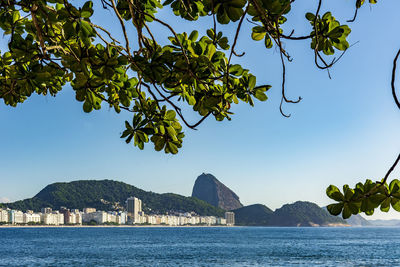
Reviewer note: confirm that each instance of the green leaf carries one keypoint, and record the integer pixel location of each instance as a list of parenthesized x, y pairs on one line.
[(394, 186), (125, 133), (15, 16), (170, 115), (252, 82), (191, 100), (334, 193), (346, 213), (128, 126), (354, 207), (223, 43), (87, 29), (310, 16), (385, 206), (377, 199), (87, 10), (348, 193), (193, 36), (258, 33), (172, 148), (268, 41), (234, 13), (222, 16), (335, 209), (87, 106), (260, 95), (367, 205), (159, 144), (210, 33), (369, 212), (171, 131), (395, 204), (236, 70)]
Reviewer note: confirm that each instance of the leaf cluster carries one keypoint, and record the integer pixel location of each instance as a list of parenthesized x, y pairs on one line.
[(328, 34), (364, 197)]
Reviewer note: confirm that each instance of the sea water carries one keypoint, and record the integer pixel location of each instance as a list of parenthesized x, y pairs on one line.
[(199, 246)]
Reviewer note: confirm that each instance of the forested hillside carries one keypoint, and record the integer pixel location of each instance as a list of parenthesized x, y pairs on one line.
[(109, 195)]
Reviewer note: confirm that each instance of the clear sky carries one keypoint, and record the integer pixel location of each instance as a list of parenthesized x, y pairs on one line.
[(345, 130)]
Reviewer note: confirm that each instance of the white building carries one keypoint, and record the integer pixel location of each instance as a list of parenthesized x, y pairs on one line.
[(134, 207), (151, 219), (182, 220), (30, 217), (78, 217), (4, 216), (102, 217), (123, 217), (173, 220), (15, 217), (112, 217), (221, 221), (208, 220), (54, 218), (142, 218), (71, 218), (230, 218)]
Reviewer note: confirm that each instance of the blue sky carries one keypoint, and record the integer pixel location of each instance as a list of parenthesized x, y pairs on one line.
[(345, 130)]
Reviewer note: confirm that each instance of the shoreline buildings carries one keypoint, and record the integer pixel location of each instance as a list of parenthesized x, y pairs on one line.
[(132, 215)]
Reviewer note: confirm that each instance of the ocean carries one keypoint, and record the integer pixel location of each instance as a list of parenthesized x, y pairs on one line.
[(199, 246)]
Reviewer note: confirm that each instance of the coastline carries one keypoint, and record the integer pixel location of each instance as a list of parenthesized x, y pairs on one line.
[(116, 226), (170, 226)]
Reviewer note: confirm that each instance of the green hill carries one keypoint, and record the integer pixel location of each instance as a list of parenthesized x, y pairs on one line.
[(303, 213), (253, 215), (108, 195), (300, 213)]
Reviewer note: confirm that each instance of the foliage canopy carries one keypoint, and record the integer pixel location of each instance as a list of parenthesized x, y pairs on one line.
[(54, 42)]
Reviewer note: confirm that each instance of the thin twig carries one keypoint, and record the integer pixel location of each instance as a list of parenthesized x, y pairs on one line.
[(396, 99), (355, 16), (234, 45), (283, 75), (121, 21)]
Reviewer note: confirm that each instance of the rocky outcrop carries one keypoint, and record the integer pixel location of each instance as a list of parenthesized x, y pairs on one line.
[(209, 189)]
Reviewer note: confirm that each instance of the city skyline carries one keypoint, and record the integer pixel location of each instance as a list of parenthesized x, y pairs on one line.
[(132, 214)]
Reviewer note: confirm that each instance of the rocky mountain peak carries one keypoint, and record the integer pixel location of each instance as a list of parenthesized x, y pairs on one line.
[(208, 188)]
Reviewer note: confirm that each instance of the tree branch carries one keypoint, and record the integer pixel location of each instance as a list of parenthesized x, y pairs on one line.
[(391, 169), (121, 21)]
